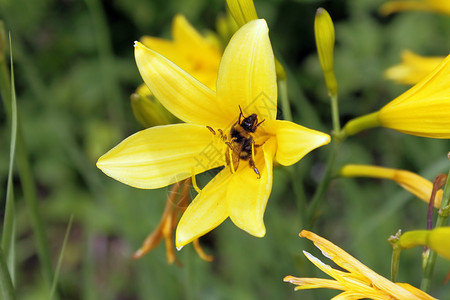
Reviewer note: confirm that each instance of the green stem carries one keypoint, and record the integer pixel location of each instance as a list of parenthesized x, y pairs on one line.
[(335, 115), (324, 183), (441, 221), (359, 124), (298, 184), (284, 99), (395, 262)]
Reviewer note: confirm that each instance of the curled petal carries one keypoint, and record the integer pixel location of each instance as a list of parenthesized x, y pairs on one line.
[(247, 194), (294, 141), (162, 155), (207, 211), (247, 73)]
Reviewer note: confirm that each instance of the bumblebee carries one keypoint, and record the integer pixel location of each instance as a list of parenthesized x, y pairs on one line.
[(241, 145)]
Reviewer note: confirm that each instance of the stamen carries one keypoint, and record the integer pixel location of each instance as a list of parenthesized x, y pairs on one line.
[(210, 129)]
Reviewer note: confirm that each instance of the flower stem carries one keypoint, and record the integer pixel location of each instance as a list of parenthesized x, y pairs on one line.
[(335, 114), (284, 99), (324, 183), (359, 124), (441, 221)]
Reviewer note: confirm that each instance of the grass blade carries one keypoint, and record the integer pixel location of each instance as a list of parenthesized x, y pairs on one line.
[(61, 255), (9, 222), (6, 286)]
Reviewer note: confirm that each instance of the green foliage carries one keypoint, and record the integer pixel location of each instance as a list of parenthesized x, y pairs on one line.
[(73, 80)]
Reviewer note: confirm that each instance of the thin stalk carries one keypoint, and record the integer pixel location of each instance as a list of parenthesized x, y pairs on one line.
[(61, 255), (284, 99), (441, 221), (335, 115), (287, 114), (395, 260), (324, 183)]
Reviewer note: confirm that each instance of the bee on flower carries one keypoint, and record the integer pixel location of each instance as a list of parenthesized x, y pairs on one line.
[(162, 155)]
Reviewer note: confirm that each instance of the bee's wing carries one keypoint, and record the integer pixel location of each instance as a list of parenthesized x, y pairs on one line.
[(237, 148)]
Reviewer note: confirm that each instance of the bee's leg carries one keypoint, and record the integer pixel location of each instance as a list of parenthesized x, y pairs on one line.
[(229, 159), (252, 161)]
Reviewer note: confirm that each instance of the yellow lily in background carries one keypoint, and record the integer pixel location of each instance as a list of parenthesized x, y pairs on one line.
[(413, 68), (438, 6), (162, 155), (410, 181), (357, 281), (423, 110), (197, 55)]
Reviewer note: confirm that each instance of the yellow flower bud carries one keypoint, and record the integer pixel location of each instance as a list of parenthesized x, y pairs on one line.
[(147, 110), (324, 33), (413, 183), (438, 6), (439, 241), (242, 11)]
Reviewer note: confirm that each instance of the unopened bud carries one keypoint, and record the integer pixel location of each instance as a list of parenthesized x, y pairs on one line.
[(324, 33)]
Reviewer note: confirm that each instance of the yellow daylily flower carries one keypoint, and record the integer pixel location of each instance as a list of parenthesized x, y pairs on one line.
[(413, 68), (197, 55), (438, 6), (357, 281), (423, 110), (162, 155), (413, 183)]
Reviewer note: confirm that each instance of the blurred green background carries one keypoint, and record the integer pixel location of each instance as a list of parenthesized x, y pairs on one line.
[(74, 73)]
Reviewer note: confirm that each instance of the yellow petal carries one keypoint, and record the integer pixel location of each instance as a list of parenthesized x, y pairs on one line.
[(162, 155), (247, 195), (351, 264), (423, 110), (183, 95), (207, 211), (413, 68), (294, 141), (166, 48), (247, 73), (185, 34)]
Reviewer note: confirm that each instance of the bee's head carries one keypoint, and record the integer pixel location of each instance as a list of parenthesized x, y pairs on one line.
[(249, 123)]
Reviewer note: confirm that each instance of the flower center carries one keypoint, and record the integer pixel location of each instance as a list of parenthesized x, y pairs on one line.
[(241, 143)]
